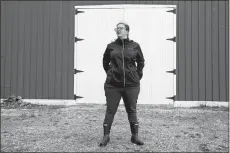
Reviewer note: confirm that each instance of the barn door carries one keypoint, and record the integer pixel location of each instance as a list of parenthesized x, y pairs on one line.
[(150, 27)]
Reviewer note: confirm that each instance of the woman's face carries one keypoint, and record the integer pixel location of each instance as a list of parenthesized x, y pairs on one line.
[(121, 31)]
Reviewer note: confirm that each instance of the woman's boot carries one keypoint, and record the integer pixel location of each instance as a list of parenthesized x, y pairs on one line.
[(106, 137), (134, 130)]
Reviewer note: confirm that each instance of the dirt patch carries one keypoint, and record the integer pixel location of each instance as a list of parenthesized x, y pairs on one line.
[(79, 129)]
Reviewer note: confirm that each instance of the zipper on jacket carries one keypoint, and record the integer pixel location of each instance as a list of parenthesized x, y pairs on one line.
[(123, 59)]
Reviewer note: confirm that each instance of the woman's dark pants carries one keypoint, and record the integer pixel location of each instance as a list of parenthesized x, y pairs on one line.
[(113, 97)]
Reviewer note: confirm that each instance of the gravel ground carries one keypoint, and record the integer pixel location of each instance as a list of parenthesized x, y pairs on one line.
[(79, 129)]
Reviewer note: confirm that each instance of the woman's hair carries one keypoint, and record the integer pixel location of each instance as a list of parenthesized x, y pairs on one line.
[(125, 24)]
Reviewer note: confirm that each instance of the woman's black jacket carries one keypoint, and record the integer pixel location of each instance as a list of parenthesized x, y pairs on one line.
[(123, 63)]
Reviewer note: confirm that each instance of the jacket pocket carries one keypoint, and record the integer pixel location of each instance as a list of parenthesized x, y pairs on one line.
[(116, 75), (135, 75), (113, 76), (108, 71), (132, 77), (108, 76)]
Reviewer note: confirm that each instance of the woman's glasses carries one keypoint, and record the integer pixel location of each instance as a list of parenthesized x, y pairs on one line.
[(119, 28)]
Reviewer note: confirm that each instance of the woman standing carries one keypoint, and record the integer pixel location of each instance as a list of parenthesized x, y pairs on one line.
[(123, 80)]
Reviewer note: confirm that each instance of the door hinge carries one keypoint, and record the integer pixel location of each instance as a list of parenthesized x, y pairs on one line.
[(77, 97), (172, 71), (172, 11), (77, 71), (172, 39), (77, 39), (76, 11), (172, 98)]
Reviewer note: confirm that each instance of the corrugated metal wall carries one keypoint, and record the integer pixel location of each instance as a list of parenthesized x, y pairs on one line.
[(37, 48)]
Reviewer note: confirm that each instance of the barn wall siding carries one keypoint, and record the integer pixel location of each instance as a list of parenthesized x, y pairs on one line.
[(227, 48), (37, 48)]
